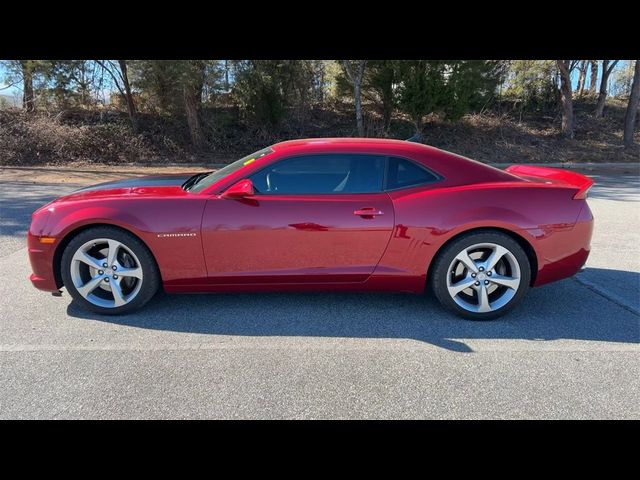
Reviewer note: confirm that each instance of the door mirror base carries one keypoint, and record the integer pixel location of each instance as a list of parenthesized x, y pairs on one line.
[(242, 189)]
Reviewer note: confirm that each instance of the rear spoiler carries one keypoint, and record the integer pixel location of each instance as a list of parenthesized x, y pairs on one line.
[(554, 175)]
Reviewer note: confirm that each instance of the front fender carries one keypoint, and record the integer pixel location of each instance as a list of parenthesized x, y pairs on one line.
[(179, 257), (62, 221)]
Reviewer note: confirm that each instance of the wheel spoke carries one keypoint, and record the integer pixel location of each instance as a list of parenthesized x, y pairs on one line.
[(464, 257), (129, 272), (118, 296), (112, 254), (89, 287), (483, 300), (508, 282), (87, 259), (461, 285), (495, 257)]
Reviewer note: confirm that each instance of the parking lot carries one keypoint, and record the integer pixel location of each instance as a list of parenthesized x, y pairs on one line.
[(571, 350)]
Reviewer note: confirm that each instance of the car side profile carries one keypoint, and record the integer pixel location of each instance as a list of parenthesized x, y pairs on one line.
[(342, 214)]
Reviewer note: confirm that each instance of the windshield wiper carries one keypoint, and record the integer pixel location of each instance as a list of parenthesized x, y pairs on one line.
[(191, 181)]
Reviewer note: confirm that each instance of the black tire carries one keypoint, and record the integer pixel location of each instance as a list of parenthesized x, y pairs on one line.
[(445, 257), (151, 275)]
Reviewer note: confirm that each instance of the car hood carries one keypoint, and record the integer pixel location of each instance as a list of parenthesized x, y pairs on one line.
[(148, 181), (154, 185)]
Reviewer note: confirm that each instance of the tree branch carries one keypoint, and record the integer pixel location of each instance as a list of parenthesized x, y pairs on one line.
[(115, 79), (347, 68), (11, 85), (610, 68)]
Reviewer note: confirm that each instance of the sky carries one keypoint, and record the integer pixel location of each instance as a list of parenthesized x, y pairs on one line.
[(3, 83)]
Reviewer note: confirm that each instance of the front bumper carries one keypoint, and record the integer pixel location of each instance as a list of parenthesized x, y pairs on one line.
[(41, 258)]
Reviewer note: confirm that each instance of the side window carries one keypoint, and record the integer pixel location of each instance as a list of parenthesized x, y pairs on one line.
[(322, 174), (404, 173)]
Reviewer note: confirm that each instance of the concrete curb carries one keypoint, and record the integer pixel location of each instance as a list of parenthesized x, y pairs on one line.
[(621, 165)]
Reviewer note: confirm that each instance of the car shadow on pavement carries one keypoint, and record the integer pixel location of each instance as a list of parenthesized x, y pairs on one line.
[(565, 310)]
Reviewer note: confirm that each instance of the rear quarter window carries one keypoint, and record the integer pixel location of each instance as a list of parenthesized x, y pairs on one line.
[(402, 173)]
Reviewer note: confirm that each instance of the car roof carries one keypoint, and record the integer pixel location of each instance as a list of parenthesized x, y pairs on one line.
[(352, 141)]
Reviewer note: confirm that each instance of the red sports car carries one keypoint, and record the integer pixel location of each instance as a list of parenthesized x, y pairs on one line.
[(343, 214)]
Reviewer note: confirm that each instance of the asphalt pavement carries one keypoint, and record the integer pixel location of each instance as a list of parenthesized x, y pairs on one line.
[(571, 350)]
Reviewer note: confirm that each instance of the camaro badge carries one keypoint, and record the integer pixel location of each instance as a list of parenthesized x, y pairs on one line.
[(162, 235)]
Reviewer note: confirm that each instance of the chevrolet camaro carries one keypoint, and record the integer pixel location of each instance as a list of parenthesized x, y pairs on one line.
[(319, 214)]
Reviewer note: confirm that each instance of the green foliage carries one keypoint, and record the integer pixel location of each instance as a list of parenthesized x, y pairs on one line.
[(265, 89), (422, 88), (532, 83), (379, 86), (333, 72), (160, 83), (157, 82), (470, 85), (69, 83)]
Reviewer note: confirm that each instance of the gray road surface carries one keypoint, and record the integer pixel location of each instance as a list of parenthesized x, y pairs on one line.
[(571, 350)]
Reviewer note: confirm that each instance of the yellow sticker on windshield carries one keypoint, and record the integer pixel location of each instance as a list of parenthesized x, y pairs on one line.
[(249, 161)]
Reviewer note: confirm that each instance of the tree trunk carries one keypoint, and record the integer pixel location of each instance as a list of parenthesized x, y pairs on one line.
[(356, 78), (387, 111), (358, 100), (582, 78), (566, 99), (417, 137), (226, 75), (192, 90), (602, 96), (131, 106), (28, 100), (594, 76), (632, 108)]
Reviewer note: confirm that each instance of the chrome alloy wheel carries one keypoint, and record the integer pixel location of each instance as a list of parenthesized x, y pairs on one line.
[(106, 272), (483, 277)]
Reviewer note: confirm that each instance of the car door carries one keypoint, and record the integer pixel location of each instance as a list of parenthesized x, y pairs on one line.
[(313, 219)]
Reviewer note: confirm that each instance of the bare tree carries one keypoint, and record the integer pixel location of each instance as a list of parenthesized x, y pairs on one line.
[(28, 99), (632, 107), (226, 75), (582, 78), (607, 68), (131, 106), (121, 80), (565, 67), (192, 91), (356, 75), (594, 76)]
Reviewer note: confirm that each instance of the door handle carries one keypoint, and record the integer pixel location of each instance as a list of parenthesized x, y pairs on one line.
[(368, 212)]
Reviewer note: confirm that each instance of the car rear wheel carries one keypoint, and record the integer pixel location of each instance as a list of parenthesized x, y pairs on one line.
[(482, 275), (109, 271)]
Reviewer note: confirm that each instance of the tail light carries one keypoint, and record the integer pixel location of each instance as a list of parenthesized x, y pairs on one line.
[(583, 193)]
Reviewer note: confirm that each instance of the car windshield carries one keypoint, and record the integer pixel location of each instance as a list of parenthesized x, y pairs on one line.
[(213, 177)]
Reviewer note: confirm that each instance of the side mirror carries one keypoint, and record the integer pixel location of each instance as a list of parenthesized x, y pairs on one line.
[(241, 189)]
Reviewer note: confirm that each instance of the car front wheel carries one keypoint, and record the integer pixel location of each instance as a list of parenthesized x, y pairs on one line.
[(109, 271), (482, 275)]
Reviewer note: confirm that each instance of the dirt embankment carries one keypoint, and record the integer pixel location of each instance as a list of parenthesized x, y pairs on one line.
[(501, 135)]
